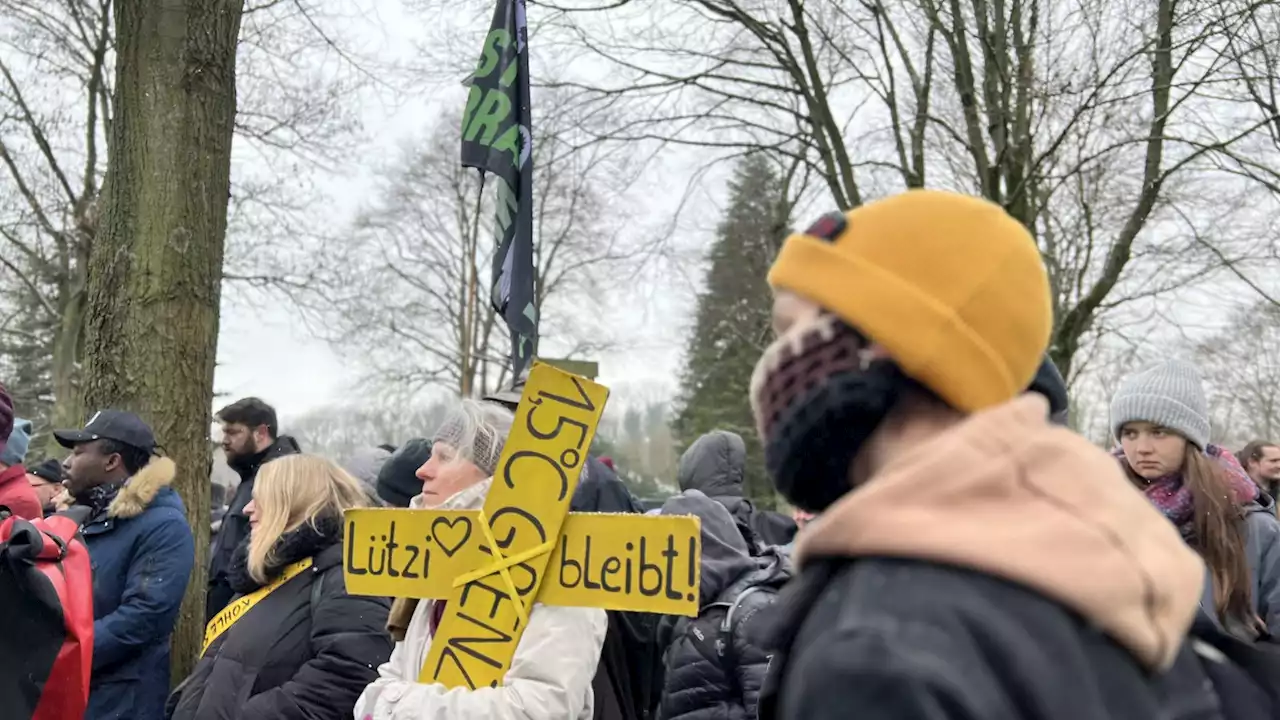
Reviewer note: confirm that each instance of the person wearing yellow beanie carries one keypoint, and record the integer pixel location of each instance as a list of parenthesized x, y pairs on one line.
[(950, 285), (971, 559)]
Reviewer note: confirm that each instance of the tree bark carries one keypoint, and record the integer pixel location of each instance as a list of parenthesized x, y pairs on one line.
[(156, 265)]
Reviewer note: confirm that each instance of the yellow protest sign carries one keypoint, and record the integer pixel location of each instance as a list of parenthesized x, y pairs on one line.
[(626, 562), (615, 562), (523, 546), (525, 507)]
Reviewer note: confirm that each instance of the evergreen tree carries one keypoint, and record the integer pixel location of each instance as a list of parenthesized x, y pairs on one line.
[(26, 363), (732, 324)]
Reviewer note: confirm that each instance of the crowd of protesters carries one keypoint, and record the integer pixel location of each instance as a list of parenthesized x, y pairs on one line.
[(956, 551)]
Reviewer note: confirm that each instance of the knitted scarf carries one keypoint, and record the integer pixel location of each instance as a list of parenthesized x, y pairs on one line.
[(99, 497), (1173, 498), (304, 541)]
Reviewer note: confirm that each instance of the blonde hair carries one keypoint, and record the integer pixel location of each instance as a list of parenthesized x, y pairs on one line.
[(293, 490)]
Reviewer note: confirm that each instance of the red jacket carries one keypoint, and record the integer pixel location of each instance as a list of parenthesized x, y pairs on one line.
[(17, 494)]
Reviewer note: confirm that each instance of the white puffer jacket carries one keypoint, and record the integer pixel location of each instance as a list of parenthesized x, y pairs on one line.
[(550, 675)]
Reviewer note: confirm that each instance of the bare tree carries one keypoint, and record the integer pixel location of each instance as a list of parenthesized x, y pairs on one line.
[(51, 216), (296, 86), (1115, 130), (337, 431), (406, 295), (1241, 367), (155, 271)]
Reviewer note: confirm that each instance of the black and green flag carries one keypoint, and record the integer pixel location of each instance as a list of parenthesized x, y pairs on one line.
[(497, 139)]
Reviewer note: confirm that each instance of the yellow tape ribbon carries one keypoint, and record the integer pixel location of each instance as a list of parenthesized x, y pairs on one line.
[(241, 606), (507, 562), (501, 566)]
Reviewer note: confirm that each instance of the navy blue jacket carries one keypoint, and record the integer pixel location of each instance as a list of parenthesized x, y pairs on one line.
[(142, 552)]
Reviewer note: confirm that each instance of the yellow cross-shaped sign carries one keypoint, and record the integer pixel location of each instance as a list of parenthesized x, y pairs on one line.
[(524, 545)]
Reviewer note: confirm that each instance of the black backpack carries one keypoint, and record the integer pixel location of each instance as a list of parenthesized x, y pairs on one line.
[(719, 648)]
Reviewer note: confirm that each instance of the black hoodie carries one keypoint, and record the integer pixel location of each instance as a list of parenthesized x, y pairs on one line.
[(600, 490), (235, 524), (715, 465), (629, 677), (700, 683)]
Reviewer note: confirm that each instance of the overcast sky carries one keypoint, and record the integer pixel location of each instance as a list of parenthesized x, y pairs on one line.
[(262, 351)]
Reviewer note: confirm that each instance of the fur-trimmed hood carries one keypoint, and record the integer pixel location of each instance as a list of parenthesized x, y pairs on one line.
[(142, 552), (141, 489)]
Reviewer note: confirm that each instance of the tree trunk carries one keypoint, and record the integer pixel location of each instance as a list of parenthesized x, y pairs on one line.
[(66, 360), (156, 264)]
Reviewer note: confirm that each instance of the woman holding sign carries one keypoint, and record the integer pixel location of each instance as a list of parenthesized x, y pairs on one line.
[(556, 658), (292, 643)]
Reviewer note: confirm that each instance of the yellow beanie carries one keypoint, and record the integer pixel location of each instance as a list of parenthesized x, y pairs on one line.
[(950, 285)]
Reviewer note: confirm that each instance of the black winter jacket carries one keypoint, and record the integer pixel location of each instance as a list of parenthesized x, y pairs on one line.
[(600, 490), (715, 465), (704, 680), (629, 676), (235, 524), (912, 640), (287, 659)]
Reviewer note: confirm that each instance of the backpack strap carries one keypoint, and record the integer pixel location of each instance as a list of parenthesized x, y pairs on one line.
[(725, 640), (317, 589), (719, 649)]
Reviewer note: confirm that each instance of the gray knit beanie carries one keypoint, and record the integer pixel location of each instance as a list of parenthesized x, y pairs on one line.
[(1170, 395)]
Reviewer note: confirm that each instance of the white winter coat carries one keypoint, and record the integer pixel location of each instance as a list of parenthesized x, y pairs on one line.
[(549, 679)]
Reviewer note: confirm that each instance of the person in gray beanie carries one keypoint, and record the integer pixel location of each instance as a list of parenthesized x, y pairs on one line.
[(1170, 395), (1161, 419), (364, 464), (15, 450), (16, 494)]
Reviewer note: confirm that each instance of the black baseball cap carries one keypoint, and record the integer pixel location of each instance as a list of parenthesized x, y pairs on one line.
[(115, 425), (50, 470)]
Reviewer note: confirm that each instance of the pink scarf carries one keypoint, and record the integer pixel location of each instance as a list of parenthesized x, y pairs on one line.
[(1173, 498)]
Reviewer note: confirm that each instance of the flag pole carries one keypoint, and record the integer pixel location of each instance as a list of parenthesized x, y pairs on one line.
[(497, 139), (471, 312)]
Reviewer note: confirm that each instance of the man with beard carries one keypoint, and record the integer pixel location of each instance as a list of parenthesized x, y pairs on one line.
[(249, 439), (971, 558), (1261, 459), (142, 552)]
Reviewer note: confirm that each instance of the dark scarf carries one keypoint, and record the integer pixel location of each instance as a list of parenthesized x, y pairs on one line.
[(302, 542), (437, 614), (816, 400), (1173, 498), (247, 465), (99, 497)]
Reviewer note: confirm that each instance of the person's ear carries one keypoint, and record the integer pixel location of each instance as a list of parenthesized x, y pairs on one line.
[(112, 462)]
